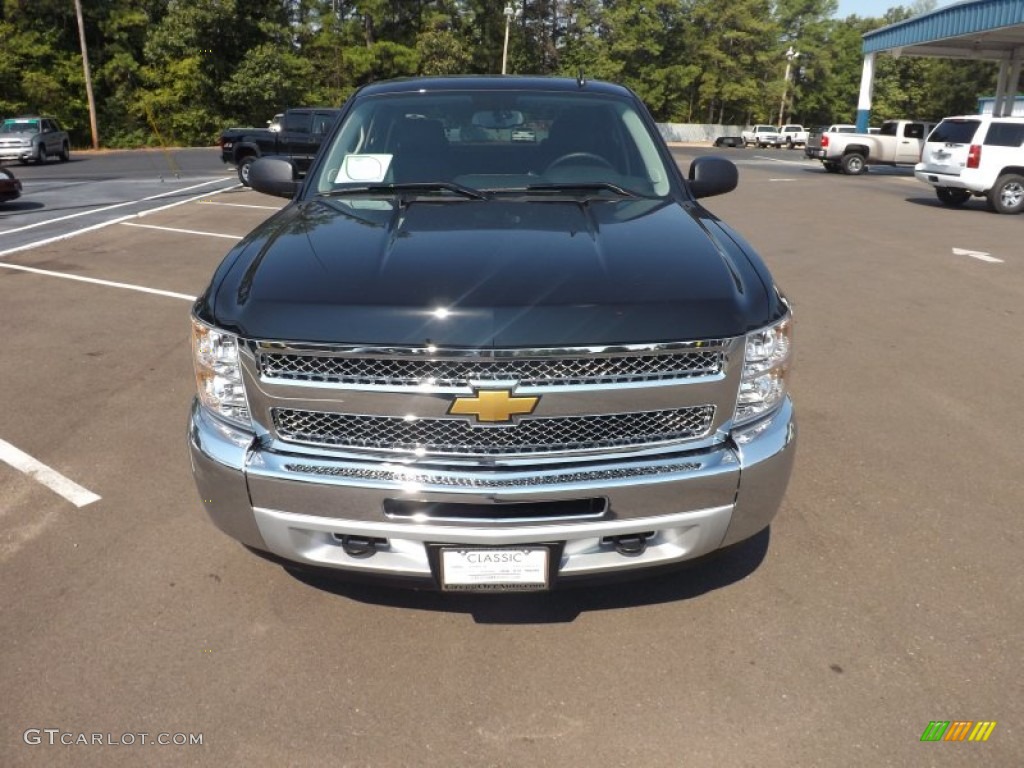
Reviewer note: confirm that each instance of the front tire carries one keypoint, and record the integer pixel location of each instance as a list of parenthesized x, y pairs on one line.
[(1007, 194), (954, 198), (854, 164), (41, 154), (243, 169)]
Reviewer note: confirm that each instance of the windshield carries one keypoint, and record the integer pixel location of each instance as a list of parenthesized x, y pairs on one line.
[(20, 126), (495, 141)]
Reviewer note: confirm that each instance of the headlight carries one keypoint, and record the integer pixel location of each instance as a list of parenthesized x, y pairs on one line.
[(218, 373), (765, 363)]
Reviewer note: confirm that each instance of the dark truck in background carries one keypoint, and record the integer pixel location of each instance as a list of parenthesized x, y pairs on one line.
[(302, 130)]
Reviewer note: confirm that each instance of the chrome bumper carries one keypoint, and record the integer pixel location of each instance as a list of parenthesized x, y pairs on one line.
[(299, 508)]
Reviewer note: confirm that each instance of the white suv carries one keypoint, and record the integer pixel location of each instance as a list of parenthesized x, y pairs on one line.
[(976, 155)]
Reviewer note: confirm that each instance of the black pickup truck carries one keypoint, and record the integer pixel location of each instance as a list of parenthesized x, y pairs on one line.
[(463, 360), (302, 130)]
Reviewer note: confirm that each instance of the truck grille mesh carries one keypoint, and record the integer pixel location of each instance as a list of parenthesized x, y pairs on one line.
[(534, 372), (457, 437), (476, 480)]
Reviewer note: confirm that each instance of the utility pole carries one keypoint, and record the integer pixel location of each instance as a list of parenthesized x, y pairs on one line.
[(510, 11), (790, 55), (88, 76)]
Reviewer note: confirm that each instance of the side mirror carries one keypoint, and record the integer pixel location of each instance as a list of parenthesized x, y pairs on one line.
[(273, 176), (710, 176)]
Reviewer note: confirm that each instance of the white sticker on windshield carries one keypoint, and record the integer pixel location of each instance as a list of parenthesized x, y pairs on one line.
[(363, 168)]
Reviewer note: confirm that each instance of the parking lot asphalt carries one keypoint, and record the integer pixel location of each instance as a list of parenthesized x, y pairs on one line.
[(887, 594)]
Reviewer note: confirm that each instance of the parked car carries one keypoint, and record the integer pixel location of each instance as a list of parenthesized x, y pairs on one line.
[(472, 363), (762, 136), (793, 136), (978, 155), (298, 139), (10, 187), (33, 139), (729, 141), (899, 142)]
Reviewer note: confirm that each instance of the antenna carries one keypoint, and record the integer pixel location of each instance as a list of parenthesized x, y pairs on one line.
[(581, 79)]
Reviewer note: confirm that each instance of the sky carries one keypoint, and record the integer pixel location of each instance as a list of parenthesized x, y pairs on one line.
[(876, 7)]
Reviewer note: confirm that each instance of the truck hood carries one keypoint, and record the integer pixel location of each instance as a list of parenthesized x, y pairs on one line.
[(501, 273)]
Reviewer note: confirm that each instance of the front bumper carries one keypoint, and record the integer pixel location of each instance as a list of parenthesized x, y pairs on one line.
[(299, 509), (17, 153)]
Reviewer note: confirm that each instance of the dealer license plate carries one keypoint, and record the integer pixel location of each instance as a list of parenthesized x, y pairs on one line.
[(512, 569)]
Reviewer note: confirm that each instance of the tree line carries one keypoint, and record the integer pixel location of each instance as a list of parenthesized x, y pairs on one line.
[(175, 72)]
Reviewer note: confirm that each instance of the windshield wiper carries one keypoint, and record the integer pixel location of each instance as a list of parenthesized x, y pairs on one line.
[(583, 186), (412, 186)]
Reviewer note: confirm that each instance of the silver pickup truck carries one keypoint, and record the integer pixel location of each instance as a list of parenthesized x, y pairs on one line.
[(898, 142)]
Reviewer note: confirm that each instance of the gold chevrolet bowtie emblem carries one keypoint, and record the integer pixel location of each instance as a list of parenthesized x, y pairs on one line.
[(493, 406)]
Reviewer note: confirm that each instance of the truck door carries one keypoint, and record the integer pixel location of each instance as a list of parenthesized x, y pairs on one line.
[(322, 123), (908, 145), (294, 138), (49, 137)]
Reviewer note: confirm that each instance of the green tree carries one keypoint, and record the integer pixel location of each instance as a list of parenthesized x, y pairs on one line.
[(270, 76), (737, 44), (177, 71)]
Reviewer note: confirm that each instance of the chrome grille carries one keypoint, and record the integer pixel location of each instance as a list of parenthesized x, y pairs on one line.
[(529, 436), (477, 480), (534, 372)]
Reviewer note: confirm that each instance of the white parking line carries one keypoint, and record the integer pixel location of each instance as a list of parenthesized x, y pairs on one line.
[(242, 205), (51, 478), (181, 231), (780, 160), (77, 232), (110, 207), (979, 255), (98, 281)]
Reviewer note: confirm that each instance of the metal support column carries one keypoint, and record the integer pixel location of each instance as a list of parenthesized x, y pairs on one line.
[(1012, 85), (1004, 75), (867, 88)]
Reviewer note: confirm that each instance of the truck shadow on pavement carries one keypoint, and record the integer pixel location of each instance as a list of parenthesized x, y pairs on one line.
[(19, 206), (973, 205), (683, 582)]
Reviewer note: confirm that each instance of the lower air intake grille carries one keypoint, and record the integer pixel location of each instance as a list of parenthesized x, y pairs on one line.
[(460, 438)]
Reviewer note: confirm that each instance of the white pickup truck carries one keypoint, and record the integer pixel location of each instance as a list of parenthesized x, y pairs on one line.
[(899, 142), (762, 136), (815, 136), (793, 136)]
